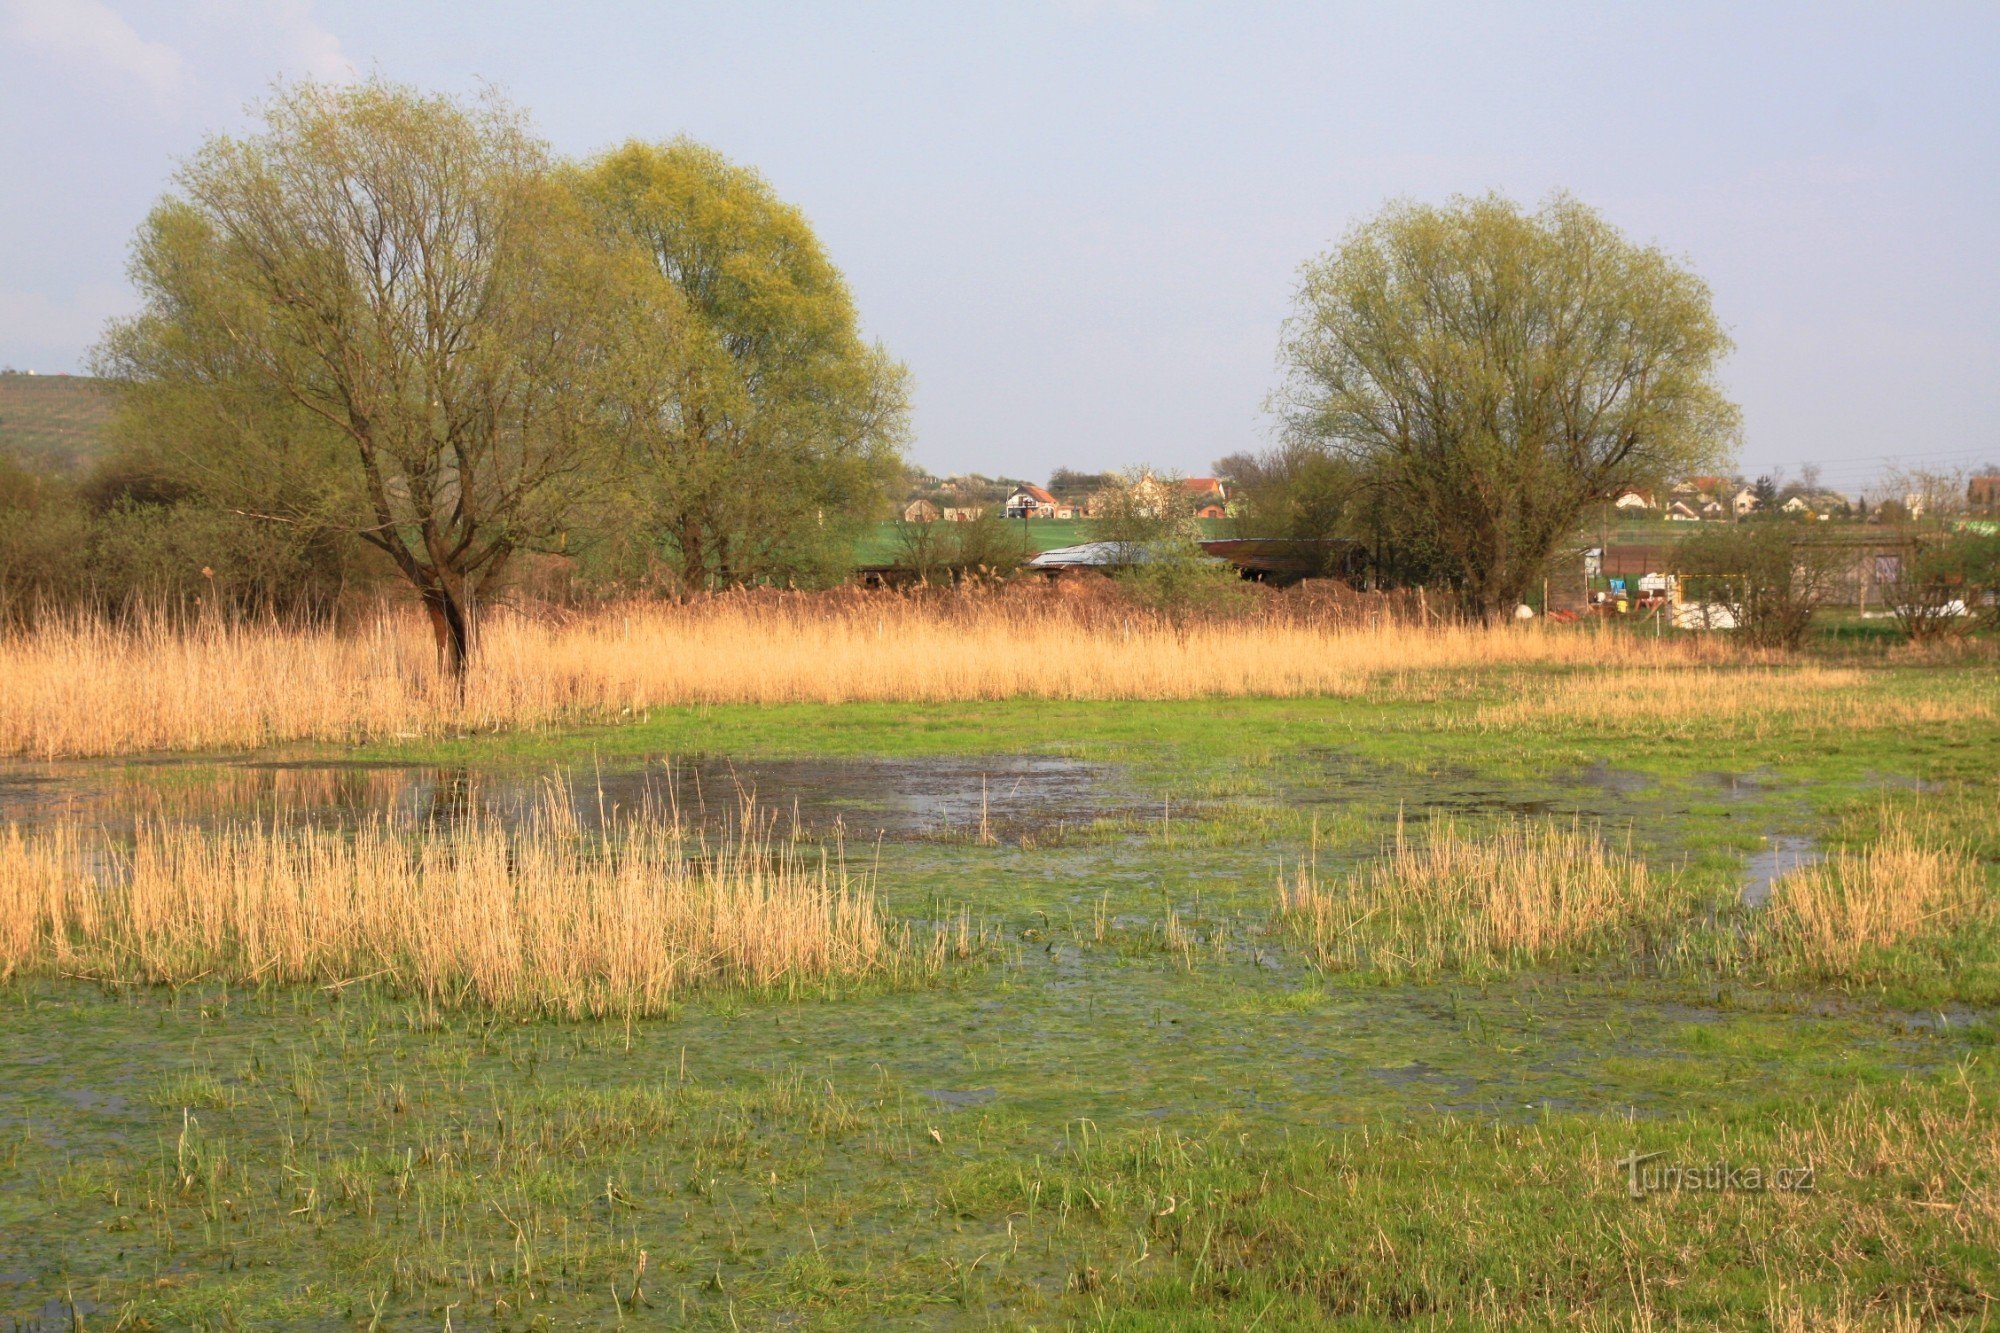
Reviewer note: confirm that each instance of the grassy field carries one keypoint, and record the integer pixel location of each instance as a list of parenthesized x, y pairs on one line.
[(883, 544), (52, 421), (1288, 1008)]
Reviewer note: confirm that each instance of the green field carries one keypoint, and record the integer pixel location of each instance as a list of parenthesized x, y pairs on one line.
[(54, 422), (1138, 1103), (883, 545)]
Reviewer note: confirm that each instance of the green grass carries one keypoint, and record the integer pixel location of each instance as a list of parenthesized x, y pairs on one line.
[(53, 422), (881, 545), (1145, 1106)]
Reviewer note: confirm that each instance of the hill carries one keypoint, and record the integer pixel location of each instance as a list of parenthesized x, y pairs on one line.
[(53, 423)]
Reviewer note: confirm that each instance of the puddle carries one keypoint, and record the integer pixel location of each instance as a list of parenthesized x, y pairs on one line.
[(1741, 786), (1780, 856), (977, 797)]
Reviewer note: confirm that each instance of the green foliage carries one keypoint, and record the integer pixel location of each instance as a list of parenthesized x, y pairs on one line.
[(377, 316), (42, 533), (988, 544), (1771, 576), (759, 430), (1946, 583), (1496, 372), (1176, 577)]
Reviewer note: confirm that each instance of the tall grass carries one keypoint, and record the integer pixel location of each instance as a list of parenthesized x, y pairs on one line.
[(534, 919), (88, 687), (1527, 894), (1907, 909), (1860, 914)]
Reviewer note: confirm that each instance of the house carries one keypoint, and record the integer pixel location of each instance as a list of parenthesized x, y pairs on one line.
[(1714, 509), (921, 511), (1744, 502), (1982, 494), (1030, 501), (1206, 496), (1634, 500), (963, 513), (1683, 511), (1796, 505)]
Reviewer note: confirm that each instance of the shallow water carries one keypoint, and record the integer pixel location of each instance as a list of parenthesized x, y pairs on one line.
[(1780, 856)]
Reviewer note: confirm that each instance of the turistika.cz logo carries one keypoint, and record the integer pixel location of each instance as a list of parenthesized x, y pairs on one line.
[(1712, 1177)]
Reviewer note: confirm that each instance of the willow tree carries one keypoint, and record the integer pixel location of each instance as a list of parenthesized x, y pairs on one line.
[(1495, 372), (759, 426), (381, 315)]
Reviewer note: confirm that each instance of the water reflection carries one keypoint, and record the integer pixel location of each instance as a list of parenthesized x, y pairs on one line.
[(952, 796)]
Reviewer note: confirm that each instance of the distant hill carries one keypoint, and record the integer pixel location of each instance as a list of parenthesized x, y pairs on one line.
[(53, 422)]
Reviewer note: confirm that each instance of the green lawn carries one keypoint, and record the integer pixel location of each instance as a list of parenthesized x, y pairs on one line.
[(1138, 1105)]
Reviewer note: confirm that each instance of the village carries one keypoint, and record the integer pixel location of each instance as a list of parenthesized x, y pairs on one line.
[(1623, 562)]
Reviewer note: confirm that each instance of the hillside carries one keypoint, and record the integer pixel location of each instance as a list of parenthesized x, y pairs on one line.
[(53, 422)]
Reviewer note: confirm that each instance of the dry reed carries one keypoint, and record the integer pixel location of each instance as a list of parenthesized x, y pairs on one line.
[(1529, 893), (1824, 922), (89, 687), (536, 919), (1682, 699)]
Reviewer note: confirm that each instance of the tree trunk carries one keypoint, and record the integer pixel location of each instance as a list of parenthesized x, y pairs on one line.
[(451, 623)]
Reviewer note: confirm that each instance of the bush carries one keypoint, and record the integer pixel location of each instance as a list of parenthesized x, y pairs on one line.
[(1946, 582), (1772, 577)]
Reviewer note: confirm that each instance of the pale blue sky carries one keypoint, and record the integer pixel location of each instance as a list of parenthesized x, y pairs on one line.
[(1080, 223)]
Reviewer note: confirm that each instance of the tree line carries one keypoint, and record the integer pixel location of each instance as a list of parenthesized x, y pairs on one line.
[(393, 335)]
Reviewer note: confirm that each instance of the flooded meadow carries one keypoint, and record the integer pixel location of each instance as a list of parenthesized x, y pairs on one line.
[(1126, 1034)]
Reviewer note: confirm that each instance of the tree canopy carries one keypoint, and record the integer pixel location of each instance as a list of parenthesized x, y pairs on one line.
[(1494, 372), (398, 317), (760, 427), (378, 314)]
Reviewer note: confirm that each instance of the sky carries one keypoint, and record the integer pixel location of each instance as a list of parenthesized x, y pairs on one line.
[(1081, 223)]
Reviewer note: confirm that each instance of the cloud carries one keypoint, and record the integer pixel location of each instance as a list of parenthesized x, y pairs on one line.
[(88, 32)]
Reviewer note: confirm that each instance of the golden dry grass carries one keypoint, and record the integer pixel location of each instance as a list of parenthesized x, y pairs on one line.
[(538, 919), (89, 688), (1528, 893), (1687, 699), (1824, 921)]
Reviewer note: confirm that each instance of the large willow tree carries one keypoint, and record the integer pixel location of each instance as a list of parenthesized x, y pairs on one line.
[(1495, 372), (380, 315), (759, 427)]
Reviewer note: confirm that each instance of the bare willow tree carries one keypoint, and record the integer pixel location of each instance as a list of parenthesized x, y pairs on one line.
[(1495, 372), (385, 299)]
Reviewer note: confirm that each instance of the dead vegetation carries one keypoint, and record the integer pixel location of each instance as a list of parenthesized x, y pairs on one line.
[(540, 918), (153, 682)]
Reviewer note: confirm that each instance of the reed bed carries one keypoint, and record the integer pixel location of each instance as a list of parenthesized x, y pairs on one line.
[(537, 919), (1840, 919), (1529, 893), (93, 687), (1685, 699)]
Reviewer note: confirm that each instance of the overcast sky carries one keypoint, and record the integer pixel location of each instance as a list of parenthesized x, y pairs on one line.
[(1081, 223)]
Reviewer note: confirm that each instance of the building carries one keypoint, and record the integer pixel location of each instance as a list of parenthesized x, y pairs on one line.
[(1744, 503), (921, 511), (1207, 497), (1982, 494), (1634, 501), (1030, 501), (963, 513)]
